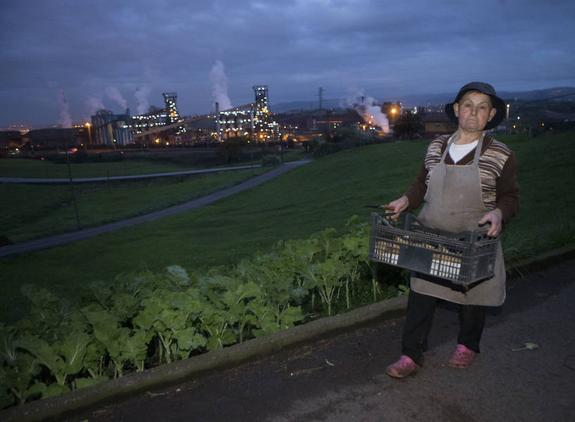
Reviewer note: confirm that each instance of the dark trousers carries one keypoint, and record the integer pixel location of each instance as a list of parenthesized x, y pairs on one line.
[(420, 310)]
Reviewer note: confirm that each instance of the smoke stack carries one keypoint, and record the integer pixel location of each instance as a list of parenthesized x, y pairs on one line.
[(219, 135), (252, 126)]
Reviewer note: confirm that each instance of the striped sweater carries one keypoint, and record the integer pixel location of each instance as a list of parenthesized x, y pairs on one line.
[(497, 168)]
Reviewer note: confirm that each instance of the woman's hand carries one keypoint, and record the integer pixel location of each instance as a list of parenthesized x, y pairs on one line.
[(397, 206), (495, 218)]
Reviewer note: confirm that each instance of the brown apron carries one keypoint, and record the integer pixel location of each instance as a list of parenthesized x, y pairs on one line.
[(453, 202)]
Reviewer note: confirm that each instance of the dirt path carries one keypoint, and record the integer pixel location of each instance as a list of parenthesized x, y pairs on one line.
[(342, 378)]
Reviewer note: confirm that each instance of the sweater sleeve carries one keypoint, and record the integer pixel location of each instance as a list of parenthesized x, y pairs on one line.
[(416, 192), (507, 188)]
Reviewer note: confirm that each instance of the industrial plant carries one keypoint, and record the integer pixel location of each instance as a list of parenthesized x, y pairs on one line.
[(252, 122)]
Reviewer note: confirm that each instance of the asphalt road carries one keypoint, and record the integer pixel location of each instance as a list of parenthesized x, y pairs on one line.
[(342, 378)]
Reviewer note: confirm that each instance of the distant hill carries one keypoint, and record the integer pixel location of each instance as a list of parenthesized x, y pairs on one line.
[(559, 93), (306, 105)]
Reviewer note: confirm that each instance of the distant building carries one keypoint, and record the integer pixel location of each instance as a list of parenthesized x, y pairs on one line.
[(55, 138), (111, 129), (237, 121), (307, 125), (170, 99), (201, 129), (121, 129), (156, 117), (265, 128), (437, 123), (253, 120)]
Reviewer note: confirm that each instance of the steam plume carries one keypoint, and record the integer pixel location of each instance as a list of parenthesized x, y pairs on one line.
[(141, 95), (115, 95), (65, 119), (370, 112), (94, 104), (220, 86)]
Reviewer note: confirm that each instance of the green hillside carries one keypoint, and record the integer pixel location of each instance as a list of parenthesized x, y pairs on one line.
[(322, 194)]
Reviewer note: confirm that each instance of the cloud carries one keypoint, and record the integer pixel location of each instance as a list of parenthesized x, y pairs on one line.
[(294, 46)]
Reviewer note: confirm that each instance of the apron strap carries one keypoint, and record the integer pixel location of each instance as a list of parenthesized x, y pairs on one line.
[(478, 147)]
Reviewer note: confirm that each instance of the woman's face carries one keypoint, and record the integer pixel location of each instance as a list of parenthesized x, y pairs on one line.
[(474, 110)]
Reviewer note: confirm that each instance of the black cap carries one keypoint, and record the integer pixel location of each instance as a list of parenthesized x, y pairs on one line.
[(486, 89)]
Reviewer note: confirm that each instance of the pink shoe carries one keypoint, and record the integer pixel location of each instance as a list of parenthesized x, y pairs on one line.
[(461, 357), (404, 367)]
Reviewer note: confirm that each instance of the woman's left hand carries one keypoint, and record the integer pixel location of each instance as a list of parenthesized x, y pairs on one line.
[(495, 219)]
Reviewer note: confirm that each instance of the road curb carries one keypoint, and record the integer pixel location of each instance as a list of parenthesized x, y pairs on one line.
[(54, 407), (540, 262)]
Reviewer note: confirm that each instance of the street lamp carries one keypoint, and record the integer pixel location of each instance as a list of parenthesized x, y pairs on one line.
[(89, 127)]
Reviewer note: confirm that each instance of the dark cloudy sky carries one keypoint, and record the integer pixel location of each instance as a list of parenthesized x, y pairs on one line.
[(127, 52)]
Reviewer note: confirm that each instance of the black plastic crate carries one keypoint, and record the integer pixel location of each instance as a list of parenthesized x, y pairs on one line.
[(462, 258)]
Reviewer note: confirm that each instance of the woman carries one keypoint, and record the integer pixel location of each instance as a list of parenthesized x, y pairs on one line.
[(467, 179)]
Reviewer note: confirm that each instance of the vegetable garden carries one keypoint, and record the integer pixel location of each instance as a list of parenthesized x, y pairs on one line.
[(149, 318)]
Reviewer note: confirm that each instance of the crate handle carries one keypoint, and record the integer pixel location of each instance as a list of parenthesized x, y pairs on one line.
[(382, 218), (481, 230)]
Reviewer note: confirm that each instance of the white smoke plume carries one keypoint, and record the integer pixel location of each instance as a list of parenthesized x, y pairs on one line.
[(220, 85), (65, 118), (115, 95), (141, 94), (368, 109), (94, 104)]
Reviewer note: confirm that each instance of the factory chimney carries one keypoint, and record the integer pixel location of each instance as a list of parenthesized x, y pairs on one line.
[(218, 132)]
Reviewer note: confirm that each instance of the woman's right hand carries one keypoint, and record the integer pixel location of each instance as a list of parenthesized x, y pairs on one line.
[(397, 207)]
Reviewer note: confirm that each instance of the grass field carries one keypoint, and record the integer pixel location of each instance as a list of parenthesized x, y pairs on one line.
[(47, 169), (32, 211), (321, 194), (16, 167)]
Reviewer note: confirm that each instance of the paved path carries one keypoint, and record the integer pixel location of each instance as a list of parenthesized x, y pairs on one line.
[(60, 181), (65, 238), (342, 378)]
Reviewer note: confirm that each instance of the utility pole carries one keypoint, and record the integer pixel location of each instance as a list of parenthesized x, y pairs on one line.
[(320, 94), (76, 214)]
